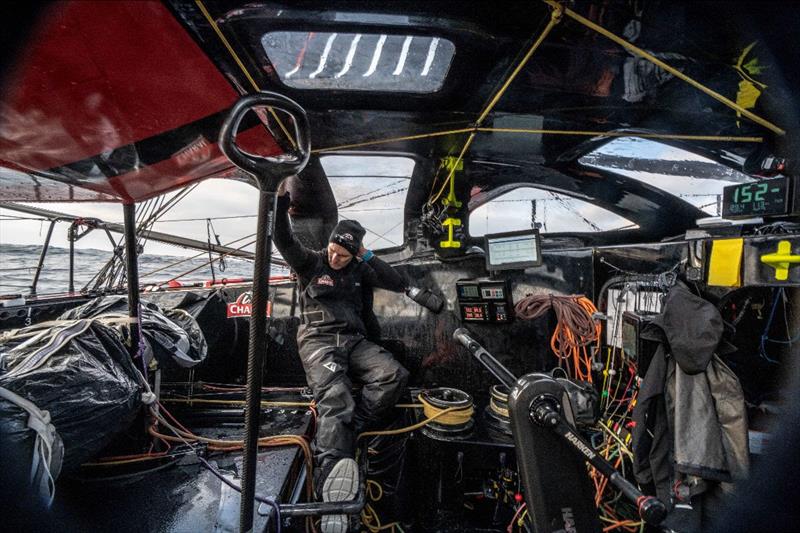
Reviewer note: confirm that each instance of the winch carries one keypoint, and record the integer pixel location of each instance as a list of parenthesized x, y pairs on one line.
[(452, 409)]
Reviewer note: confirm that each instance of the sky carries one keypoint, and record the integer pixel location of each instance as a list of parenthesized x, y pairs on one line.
[(373, 191)]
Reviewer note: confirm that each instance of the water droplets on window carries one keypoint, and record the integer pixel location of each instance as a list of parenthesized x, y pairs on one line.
[(694, 178), (550, 212), (359, 61)]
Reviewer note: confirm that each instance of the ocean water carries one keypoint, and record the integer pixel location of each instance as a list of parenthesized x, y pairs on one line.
[(18, 266)]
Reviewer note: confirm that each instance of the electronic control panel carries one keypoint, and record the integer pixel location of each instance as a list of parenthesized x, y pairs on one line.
[(774, 197), (485, 300)]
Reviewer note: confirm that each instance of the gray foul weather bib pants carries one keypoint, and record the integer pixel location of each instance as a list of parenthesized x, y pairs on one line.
[(331, 360)]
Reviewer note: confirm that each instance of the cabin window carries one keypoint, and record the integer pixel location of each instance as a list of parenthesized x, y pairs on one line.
[(359, 61), (372, 190), (526, 208), (694, 178)]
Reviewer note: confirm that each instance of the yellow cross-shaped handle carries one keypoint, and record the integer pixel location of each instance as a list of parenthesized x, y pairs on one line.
[(782, 260), (452, 164), (450, 224)]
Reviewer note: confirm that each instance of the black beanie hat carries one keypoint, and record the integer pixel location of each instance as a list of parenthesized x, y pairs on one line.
[(348, 235)]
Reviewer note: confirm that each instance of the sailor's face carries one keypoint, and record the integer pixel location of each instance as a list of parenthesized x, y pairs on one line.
[(338, 256)]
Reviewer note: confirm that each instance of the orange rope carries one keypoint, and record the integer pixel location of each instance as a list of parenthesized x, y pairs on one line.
[(576, 329)]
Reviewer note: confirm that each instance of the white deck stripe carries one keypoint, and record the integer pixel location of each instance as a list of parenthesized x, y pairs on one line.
[(324, 58), (348, 62), (403, 54), (431, 54), (375, 57)]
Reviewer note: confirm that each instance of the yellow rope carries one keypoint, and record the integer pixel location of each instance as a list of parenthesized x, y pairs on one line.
[(453, 417), (675, 72), (583, 133), (369, 518), (555, 18), (391, 140), (450, 416), (238, 61), (453, 168), (666, 136)]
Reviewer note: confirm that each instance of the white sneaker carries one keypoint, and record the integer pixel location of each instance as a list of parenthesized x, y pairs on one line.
[(340, 485)]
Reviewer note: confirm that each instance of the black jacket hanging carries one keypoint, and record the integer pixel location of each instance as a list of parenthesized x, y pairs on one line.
[(690, 435)]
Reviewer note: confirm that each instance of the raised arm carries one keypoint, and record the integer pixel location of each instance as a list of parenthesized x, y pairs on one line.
[(380, 274), (298, 256)]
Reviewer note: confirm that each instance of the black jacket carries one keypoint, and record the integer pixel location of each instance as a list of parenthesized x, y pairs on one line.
[(690, 436), (332, 301)]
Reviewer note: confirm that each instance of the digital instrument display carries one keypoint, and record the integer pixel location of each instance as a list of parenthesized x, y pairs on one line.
[(515, 250), (468, 292), (485, 300), (493, 293), (475, 312), (761, 198)]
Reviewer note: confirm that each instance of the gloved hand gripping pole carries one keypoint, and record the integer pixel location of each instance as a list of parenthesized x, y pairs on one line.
[(268, 173)]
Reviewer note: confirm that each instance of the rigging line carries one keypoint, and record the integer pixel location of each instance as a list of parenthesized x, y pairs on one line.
[(183, 193), (574, 211), (185, 259), (389, 193), (147, 222), (442, 164), (383, 235), (361, 198), (555, 18), (583, 133), (161, 206), (372, 209), (357, 196), (675, 72), (370, 176), (205, 218), (453, 168), (238, 61), (275, 259), (391, 140), (666, 136)]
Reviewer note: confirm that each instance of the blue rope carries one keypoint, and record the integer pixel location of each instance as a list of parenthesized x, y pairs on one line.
[(778, 295)]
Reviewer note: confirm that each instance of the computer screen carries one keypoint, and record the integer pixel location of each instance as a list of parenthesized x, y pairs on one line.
[(513, 250)]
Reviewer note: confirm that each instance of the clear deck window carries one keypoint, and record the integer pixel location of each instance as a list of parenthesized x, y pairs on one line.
[(359, 61), (526, 208), (372, 190), (692, 177)]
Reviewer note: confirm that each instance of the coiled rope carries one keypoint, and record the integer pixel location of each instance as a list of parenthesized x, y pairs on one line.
[(576, 329)]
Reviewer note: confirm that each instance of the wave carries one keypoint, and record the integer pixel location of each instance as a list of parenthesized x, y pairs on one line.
[(18, 265)]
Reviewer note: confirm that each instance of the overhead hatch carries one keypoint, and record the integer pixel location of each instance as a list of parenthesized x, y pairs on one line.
[(359, 61)]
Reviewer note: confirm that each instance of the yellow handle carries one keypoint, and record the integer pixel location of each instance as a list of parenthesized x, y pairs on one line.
[(450, 224), (782, 260), (453, 164)]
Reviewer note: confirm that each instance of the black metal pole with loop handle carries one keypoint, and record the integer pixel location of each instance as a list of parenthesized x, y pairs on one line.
[(268, 173)]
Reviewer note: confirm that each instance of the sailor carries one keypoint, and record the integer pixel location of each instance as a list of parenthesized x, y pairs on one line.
[(335, 352)]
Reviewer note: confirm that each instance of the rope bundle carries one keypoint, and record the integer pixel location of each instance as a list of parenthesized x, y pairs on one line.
[(575, 329)]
